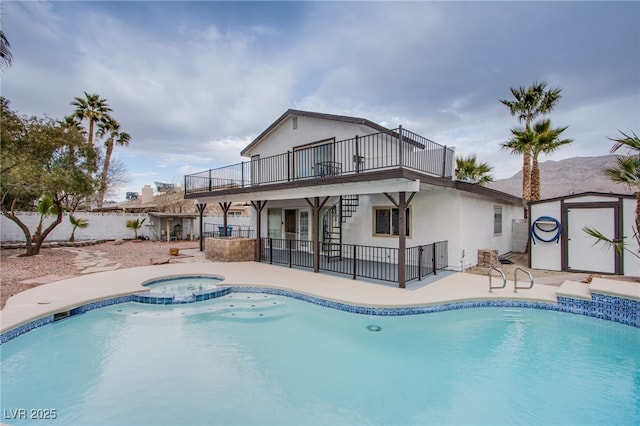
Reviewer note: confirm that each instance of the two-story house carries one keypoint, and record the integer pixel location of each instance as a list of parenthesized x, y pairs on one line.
[(346, 195)]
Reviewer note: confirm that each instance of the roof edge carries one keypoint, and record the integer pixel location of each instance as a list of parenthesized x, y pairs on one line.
[(323, 116), (584, 194)]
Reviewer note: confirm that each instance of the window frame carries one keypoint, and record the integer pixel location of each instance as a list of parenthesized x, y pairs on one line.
[(390, 209), (496, 231)]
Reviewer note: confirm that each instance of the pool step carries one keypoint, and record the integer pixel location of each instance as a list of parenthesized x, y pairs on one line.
[(250, 308), (513, 315)]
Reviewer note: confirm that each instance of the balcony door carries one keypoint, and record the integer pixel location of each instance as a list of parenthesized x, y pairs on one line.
[(274, 223), (291, 224), (313, 159), (303, 223), (255, 170)]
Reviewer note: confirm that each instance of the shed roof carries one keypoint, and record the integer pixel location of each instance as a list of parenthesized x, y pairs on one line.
[(584, 194)]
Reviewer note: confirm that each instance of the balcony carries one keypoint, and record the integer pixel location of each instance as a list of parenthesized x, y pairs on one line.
[(385, 151)]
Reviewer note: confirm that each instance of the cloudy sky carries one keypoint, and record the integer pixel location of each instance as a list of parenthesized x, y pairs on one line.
[(195, 82)]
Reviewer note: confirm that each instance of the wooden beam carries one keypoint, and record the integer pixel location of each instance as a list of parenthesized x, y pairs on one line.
[(258, 206), (225, 210), (410, 198), (402, 239), (390, 197), (315, 234)]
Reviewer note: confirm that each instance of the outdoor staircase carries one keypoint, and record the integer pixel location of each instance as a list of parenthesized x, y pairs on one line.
[(332, 222)]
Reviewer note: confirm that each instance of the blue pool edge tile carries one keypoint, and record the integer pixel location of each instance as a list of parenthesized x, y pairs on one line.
[(602, 306)]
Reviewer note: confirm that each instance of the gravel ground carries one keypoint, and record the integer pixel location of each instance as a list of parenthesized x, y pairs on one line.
[(63, 262)]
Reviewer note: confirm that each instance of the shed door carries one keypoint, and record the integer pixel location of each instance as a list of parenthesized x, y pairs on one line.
[(582, 254)]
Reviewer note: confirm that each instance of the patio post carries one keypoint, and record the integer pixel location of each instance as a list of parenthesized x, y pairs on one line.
[(402, 239), (201, 207), (258, 206), (225, 210)]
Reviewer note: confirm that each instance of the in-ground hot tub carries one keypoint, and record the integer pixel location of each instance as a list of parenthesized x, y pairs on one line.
[(181, 289)]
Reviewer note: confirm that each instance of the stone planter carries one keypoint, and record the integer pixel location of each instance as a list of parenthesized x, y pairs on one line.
[(231, 249)]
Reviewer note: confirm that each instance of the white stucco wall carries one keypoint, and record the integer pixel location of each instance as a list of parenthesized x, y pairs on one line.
[(284, 138), (102, 226), (464, 220)]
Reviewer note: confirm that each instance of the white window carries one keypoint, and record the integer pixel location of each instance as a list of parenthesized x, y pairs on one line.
[(386, 221), (497, 220)]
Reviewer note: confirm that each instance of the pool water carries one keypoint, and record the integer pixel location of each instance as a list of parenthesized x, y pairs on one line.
[(262, 359), (182, 286)]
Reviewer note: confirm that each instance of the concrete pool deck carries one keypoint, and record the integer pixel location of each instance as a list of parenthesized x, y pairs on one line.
[(445, 287)]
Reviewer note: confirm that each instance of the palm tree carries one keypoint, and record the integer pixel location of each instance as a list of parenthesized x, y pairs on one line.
[(77, 223), (469, 170), (71, 123), (520, 144), (545, 141), (46, 207), (530, 103), (109, 127), (135, 224), (626, 170), (91, 108), (6, 58)]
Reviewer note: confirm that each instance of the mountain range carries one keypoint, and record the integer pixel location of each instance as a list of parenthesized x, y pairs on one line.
[(566, 177)]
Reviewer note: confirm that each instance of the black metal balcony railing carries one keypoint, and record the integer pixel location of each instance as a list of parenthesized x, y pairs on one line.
[(398, 148), (379, 263)]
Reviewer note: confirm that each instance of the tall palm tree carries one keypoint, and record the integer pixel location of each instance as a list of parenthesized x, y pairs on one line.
[(6, 58), (71, 123), (626, 170), (520, 144), (110, 128), (91, 108), (529, 103), (469, 170), (545, 141)]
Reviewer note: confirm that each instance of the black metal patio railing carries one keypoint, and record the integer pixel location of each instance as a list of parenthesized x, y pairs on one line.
[(378, 263), (214, 230), (398, 148)]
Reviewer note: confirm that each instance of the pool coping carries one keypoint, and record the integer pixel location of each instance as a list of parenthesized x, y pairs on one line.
[(602, 298)]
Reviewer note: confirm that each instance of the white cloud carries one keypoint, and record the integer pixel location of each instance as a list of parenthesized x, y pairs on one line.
[(193, 87)]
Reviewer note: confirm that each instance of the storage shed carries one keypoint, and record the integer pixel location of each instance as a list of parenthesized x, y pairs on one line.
[(557, 240)]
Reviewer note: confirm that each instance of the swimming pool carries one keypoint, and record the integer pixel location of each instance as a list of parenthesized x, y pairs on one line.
[(265, 359)]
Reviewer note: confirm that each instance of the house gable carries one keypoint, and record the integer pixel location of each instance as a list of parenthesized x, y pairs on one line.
[(296, 128)]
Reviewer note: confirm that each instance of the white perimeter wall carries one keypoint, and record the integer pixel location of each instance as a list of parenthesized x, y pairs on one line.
[(102, 226)]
